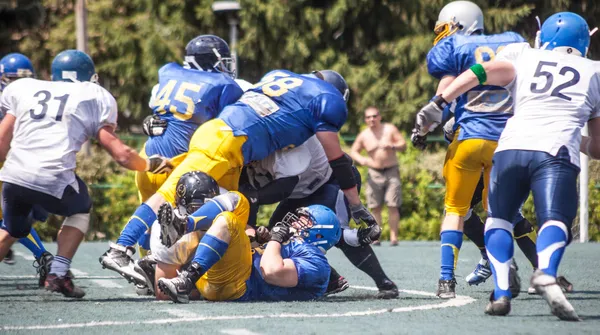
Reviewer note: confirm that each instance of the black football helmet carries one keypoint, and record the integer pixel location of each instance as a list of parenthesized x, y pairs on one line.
[(193, 189), (209, 53), (336, 80)]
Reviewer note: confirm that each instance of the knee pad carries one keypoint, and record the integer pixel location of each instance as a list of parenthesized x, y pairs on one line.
[(497, 223), (565, 228), (79, 221)]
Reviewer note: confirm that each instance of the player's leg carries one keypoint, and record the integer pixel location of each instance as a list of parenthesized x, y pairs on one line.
[(554, 188), (526, 237), (474, 229), (462, 170), (16, 210), (508, 189), (220, 267)]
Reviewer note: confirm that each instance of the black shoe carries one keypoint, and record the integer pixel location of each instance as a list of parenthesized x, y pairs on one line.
[(63, 285), (446, 289), (172, 225), (42, 266), (337, 286), (10, 257), (514, 281), (387, 290), (178, 288), (118, 259), (147, 268), (498, 307)]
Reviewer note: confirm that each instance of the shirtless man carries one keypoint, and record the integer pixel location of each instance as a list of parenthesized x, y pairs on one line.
[(381, 141)]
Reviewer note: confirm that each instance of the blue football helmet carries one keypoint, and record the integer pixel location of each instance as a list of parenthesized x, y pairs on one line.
[(336, 80), (209, 53), (566, 32), (73, 66), (14, 66), (317, 225)]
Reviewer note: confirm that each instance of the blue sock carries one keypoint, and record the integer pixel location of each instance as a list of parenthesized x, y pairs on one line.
[(33, 243), (138, 224), (551, 243), (500, 249), (144, 241), (209, 251), (451, 243), (204, 216)]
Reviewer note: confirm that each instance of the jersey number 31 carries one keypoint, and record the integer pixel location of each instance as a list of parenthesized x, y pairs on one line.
[(44, 98)]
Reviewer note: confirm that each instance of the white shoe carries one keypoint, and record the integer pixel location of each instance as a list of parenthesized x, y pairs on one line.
[(548, 288), (118, 259)]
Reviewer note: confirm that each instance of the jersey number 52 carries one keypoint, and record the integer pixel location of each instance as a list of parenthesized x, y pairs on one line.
[(541, 72)]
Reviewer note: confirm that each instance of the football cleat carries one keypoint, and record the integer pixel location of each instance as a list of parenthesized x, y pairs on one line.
[(446, 289), (147, 268), (564, 284), (172, 226), (548, 288), (498, 307), (387, 290), (10, 258), (118, 258), (482, 272), (514, 281), (42, 266), (178, 288), (337, 286), (63, 285)]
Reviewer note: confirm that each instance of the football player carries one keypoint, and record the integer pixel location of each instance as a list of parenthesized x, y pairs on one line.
[(224, 266), (185, 97), (555, 89), (45, 125), (300, 177), (283, 110), (12, 67), (480, 116)]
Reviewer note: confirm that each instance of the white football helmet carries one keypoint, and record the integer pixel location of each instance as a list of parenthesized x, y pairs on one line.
[(460, 17)]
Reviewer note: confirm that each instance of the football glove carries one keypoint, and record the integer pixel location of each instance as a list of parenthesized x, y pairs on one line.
[(153, 125), (430, 116), (367, 235), (158, 164), (281, 232), (419, 141), (361, 214), (449, 130), (262, 235)]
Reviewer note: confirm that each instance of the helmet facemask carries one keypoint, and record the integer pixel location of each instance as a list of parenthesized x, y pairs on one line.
[(223, 64), (300, 223), (447, 28)]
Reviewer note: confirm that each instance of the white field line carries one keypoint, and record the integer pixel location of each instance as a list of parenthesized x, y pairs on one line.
[(77, 277), (27, 257), (241, 331), (102, 283), (460, 300), (181, 313)]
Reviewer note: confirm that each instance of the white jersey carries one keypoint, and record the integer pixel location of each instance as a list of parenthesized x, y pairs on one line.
[(53, 120), (307, 161), (555, 94)]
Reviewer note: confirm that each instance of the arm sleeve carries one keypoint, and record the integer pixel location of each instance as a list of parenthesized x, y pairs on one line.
[(330, 112), (441, 60), (277, 190)]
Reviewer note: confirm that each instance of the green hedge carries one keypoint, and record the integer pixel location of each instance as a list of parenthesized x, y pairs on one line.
[(115, 198)]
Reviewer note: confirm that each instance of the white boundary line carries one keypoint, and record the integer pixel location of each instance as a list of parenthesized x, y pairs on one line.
[(77, 276), (460, 300)]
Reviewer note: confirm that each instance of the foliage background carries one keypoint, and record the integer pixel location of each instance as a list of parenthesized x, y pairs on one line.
[(379, 47)]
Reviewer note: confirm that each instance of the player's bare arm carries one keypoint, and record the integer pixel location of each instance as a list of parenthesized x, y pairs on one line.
[(444, 83), (276, 270), (590, 145), (498, 73), (6, 134)]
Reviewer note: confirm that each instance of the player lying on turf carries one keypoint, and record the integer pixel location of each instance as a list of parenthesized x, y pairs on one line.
[(555, 89), (184, 98), (45, 125), (12, 67), (300, 177), (224, 267), (480, 116)]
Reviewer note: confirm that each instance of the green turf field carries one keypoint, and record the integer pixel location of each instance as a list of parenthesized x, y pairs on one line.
[(111, 304)]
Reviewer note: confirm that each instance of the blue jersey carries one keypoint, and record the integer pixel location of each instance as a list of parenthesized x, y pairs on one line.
[(313, 275), (283, 110), (483, 111), (187, 98)]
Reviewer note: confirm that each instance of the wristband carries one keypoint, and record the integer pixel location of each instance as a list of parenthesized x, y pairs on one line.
[(479, 72), (440, 101)]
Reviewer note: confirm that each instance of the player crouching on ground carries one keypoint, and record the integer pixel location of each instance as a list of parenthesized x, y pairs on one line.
[(292, 266), (555, 89)]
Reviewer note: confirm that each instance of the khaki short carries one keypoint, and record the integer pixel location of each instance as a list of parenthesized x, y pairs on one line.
[(384, 185)]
